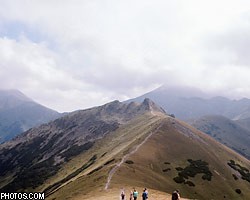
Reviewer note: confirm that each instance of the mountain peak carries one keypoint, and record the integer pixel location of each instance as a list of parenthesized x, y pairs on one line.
[(18, 113), (150, 105), (125, 111), (12, 98), (14, 93)]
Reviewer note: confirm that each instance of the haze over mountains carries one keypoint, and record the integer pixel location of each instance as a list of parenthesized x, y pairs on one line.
[(190, 103), (93, 153), (18, 113)]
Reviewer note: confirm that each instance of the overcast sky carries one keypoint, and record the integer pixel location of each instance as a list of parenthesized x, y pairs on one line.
[(75, 54)]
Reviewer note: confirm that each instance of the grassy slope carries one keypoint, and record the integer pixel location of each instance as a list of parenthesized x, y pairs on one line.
[(168, 145), (173, 142), (112, 146)]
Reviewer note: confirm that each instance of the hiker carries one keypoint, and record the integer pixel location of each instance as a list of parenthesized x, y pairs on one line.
[(122, 195), (135, 194), (131, 195), (176, 195), (146, 191), (145, 194)]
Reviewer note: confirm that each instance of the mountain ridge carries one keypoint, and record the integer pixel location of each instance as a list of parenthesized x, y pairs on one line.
[(72, 157), (18, 113), (189, 103), (144, 162), (66, 137)]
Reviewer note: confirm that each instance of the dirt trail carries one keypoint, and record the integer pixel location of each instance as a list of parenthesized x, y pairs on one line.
[(114, 194), (111, 173)]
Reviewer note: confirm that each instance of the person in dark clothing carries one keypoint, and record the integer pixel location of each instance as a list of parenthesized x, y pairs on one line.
[(122, 195), (145, 194), (176, 195)]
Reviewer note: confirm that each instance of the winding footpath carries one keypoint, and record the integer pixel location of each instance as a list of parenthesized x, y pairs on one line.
[(111, 173)]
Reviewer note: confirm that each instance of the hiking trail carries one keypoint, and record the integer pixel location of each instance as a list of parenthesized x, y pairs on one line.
[(111, 173)]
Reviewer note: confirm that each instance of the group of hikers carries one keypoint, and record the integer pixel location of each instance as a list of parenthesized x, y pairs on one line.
[(134, 195)]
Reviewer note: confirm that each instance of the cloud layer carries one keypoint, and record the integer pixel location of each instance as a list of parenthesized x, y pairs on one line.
[(76, 54)]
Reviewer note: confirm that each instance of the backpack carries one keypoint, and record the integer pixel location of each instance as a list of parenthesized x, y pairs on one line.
[(174, 196)]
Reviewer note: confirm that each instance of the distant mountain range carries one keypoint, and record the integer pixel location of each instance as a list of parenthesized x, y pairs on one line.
[(245, 123), (94, 153), (188, 103), (226, 131), (225, 120), (18, 113)]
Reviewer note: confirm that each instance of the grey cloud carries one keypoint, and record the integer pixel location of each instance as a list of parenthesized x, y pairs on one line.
[(90, 52), (231, 46)]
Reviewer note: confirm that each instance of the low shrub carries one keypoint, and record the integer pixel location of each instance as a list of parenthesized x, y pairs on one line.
[(179, 168), (195, 167), (179, 179), (238, 191), (235, 177), (166, 170), (189, 183), (244, 172), (129, 162)]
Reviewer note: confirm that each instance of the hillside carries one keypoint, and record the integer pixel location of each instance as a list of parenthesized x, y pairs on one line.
[(189, 103), (225, 131), (245, 123), (158, 161), (18, 113), (51, 145), (94, 153)]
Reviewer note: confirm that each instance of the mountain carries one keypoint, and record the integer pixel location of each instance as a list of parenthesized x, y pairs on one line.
[(18, 113), (224, 119), (226, 131), (245, 123), (189, 103), (94, 153)]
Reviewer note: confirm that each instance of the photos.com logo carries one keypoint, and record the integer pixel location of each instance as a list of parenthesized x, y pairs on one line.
[(22, 196)]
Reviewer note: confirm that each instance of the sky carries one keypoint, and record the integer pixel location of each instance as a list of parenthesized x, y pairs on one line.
[(70, 55)]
